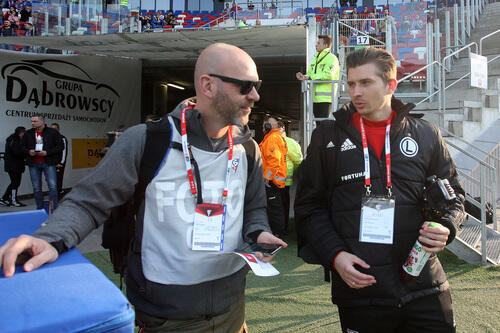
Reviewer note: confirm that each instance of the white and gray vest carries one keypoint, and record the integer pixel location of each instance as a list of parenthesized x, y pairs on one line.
[(167, 257)]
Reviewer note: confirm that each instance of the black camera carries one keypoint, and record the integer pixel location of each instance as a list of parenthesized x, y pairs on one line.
[(438, 197)]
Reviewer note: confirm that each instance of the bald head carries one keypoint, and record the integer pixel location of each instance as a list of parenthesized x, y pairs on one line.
[(223, 59), (273, 122), (226, 82)]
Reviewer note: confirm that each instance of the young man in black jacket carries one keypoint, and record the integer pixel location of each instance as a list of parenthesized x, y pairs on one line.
[(346, 173), (43, 145)]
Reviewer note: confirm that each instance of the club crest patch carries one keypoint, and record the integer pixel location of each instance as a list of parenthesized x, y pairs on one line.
[(408, 147)]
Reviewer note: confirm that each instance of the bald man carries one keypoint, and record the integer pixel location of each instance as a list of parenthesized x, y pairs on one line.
[(176, 278)]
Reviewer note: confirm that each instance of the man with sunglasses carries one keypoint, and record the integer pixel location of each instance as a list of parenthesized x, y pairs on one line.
[(177, 280)]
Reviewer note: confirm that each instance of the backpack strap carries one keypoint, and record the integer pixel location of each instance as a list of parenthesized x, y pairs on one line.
[(158, 138), (250, 152)]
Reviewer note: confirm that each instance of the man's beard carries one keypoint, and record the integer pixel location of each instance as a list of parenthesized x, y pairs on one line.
[(228, 111)]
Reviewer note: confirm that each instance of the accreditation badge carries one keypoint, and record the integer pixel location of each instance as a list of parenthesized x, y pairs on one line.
[(208, 229), (377, 219)]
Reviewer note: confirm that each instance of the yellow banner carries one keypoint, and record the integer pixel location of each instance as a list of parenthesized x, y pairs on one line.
[(86, 152)]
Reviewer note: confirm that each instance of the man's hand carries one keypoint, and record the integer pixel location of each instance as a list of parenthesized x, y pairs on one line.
[(344, 264), (42, 153), (268, 238), (59, 166), (40, 251), (433, 239), (32, 152), (299, 76), (266, 183)]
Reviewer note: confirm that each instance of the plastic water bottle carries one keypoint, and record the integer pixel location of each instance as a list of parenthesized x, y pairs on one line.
[(416, 261)]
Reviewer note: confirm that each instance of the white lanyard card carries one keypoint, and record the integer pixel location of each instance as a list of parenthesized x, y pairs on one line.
[(377, 219), (208, 229)]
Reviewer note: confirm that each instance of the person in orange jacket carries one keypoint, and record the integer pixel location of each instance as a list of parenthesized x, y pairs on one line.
[(273, 150)]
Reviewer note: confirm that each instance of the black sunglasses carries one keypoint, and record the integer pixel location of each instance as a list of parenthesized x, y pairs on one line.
[(245, 86)]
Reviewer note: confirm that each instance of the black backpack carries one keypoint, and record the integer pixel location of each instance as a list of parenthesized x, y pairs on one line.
[(119, 230)]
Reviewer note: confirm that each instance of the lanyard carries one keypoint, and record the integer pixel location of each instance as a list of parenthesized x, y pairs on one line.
[(187, 155), (367, 157)]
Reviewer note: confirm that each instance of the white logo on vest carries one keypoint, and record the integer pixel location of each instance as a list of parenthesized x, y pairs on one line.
[(408, 147)]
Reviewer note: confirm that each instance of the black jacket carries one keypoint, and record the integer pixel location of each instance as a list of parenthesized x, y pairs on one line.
[(14, 155), (328, 204), (52, 144)]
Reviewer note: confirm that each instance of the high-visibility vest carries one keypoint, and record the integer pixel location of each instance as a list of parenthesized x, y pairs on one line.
[(293, 158), (324, 66), (273, 150), (242, 25)]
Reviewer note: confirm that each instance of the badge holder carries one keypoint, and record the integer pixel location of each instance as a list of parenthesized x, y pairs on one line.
[(209, 218), (208, 229), (377, 218)]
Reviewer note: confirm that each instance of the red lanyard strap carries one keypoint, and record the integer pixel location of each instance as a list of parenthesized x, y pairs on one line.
[(188, 157), (366, 156)]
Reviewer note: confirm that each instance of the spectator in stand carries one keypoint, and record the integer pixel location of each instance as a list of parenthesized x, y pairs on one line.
[(28, 29), (13, 17), (14, 166), (273, 5), (227, 9), (157, 20), (145, 20), (404, 25), (370, 24), (8, 3), (417, 24), (353, 3), (356, 24), (26, 13), (234, 9), (7, 29), (170, 18), (365, 13), (251, 6), (147, 27), (19, 5), (264, 6), (344, 3)]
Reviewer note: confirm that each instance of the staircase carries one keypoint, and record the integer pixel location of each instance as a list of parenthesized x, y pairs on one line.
[(467, 244), (471, 115)]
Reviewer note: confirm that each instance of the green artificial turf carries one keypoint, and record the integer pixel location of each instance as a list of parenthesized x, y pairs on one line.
[(298, 300)]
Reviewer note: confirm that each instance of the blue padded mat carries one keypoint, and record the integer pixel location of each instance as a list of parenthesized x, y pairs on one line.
[(69, 295)]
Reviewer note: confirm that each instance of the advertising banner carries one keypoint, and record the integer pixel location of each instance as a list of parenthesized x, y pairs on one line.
[(87, 96)]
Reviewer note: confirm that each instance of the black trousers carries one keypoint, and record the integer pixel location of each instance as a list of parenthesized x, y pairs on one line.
[(15, 181), (321, 110), (60, 176), (275, 211), (430, 314), (285, 198)]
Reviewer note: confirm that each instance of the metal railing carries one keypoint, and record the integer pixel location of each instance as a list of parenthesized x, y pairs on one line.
[(307, 89), (288, 9), (442, 80), (487, 176)]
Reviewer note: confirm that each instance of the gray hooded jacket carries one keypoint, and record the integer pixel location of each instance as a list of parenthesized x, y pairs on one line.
[(112, 183)]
